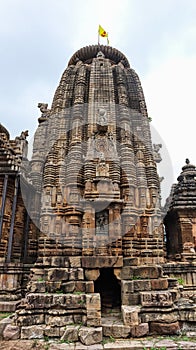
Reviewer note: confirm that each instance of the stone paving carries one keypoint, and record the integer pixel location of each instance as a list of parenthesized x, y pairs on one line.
[(150, 343)]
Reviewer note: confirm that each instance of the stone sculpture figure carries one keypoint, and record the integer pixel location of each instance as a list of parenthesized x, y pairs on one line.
[(101, 222), (22, 143)]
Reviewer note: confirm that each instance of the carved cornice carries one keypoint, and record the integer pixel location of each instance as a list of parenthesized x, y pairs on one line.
[(87, 53)]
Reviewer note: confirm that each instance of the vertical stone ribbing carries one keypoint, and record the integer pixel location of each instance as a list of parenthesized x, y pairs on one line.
[(4, 191), (76, 144), (11, 232)]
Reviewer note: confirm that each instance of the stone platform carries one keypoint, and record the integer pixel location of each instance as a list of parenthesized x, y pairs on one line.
[(161, 343)]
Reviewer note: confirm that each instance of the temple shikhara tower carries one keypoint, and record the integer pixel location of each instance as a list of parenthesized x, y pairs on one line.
[(82, 229)]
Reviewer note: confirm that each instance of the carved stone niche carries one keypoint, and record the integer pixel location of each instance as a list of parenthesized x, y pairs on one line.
[(88, 186), (189, 253), (74, 197), (156, 154), (102, 169), (102, 222), (103, 186), (102, 120), (144, 225)]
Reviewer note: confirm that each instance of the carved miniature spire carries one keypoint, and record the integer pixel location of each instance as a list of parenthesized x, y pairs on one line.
[(187, 161)]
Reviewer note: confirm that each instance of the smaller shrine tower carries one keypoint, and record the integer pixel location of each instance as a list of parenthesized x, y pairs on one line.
[(180, 220)]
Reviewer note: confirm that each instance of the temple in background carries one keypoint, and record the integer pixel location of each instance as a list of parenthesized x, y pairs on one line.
[(83, 235)]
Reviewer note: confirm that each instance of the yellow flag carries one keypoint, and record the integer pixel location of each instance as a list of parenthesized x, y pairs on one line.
[(102, 32)]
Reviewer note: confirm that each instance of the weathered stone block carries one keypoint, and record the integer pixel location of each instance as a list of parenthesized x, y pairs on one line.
[(141, 285), (71, 333), (159, 284), (131, 261), (31, 319), (102, 261), (164, 328), (130, 298), (8, 306), (141, 272), (162, 317), (80, 346), (75, 261), (59, 300), (81, 286), (89, 287), (11, 332), (156, 298), (93, 318), (59, 261), (116, 331), (51, 287), (60, 274), (93, 301), (47, 260), (140, 331), (90, 336), (93, 308), (126, 273), (117, 273), (36, 274), (76, 274), (58, 321), (39, 301), (188, 315), (130, 315), (80, 319), (64, 346), (172, 282), (68, 287), (175, 294), (74, 301), (52, 331), (147, 271), (92, 275), (39, 287), (188, 327), (32, 332), (127, 287), (3, 323)]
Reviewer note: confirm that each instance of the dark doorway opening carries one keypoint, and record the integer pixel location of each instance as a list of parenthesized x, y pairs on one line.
[(109, 288)]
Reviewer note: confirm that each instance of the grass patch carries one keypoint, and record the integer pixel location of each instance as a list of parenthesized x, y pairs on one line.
[(5, 315), (109, 339)]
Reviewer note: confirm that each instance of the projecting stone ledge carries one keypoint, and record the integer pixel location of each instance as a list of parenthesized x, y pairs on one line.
[(142, 272), (9, 306), (129, 344), (102, 261)]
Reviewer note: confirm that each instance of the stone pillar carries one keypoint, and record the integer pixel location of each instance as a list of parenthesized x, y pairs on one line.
[(11, 233), (3, 202)]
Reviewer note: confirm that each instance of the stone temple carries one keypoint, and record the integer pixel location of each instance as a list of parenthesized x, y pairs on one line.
[(86, 249)]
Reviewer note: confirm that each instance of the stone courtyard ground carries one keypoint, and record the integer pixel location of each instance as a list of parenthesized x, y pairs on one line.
[(149, 343)]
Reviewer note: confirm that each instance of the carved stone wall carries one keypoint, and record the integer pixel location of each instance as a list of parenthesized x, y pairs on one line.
[(95, 152), (180, 220), (18, 235), (93, 193)]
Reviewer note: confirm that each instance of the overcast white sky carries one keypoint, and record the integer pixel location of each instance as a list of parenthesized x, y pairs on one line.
[(37, 38)]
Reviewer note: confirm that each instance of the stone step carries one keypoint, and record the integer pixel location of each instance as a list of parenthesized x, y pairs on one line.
[(9, 306), (117, 345), (113, 327)]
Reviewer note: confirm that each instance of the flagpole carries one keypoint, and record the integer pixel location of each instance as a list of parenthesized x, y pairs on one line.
[(98, 37)]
